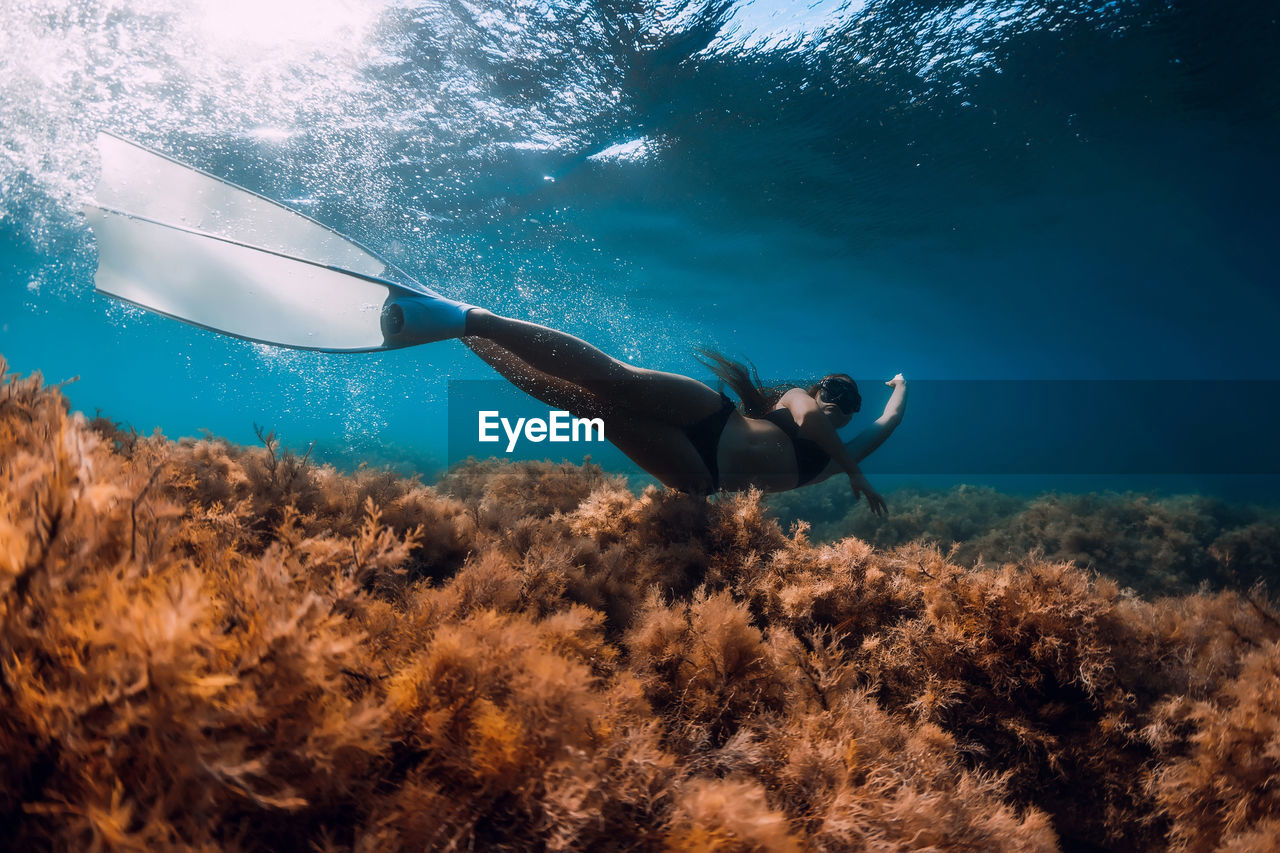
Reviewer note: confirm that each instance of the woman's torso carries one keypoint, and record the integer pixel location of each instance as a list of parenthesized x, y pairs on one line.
[(755, 452)]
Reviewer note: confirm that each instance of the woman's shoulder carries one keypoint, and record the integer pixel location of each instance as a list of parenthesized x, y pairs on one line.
[(797, 400)]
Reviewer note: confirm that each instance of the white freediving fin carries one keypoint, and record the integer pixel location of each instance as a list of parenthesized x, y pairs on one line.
[(185, 244)]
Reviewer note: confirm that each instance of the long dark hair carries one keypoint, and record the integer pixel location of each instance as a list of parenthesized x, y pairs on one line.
[(757, 398)]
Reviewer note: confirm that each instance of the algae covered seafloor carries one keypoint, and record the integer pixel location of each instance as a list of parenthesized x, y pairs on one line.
[(218, 647)]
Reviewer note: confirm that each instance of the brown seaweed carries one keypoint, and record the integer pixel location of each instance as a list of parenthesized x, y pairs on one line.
[(218, 647)]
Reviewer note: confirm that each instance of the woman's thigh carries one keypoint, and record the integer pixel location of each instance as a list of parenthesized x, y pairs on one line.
[(639, 392), (669, 398), (661, 449)]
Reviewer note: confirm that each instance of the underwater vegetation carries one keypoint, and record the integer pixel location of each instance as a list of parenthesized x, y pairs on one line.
[(219, 647), (1155, 545)]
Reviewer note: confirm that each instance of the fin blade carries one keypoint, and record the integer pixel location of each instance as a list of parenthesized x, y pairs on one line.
[(238, 290), (156, 187)]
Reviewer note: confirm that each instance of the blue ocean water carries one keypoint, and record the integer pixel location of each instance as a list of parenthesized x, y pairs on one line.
[(1006, 191)]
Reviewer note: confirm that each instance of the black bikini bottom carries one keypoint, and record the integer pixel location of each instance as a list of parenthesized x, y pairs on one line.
[(705, 437)]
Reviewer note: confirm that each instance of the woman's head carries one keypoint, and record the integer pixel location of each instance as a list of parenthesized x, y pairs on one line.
[(838, 394)]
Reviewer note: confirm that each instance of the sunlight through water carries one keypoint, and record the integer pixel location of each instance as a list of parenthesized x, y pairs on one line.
[(977, 188), (284, 24)]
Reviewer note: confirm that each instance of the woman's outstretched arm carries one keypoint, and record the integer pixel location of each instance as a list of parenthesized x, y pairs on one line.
[(862, 444)]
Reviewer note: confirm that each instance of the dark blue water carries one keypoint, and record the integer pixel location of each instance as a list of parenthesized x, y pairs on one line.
[(978, 191)]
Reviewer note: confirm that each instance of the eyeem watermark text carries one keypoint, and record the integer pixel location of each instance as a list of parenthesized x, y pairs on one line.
[(558, 426)]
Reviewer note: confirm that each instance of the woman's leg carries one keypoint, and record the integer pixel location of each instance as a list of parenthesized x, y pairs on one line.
[(659, 448), (555, 392), (658, 395)]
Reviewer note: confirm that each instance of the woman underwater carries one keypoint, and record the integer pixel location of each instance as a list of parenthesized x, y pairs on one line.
[(685, 434), (678, 429)]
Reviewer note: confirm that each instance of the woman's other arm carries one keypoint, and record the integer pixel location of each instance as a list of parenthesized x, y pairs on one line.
[(815, 426), (861, 445)]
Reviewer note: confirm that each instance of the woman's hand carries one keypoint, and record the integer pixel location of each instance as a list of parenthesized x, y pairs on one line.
[(896, 381), (875, 501)]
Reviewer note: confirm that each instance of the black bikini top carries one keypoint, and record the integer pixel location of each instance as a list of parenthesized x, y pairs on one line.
[(811, 459)]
